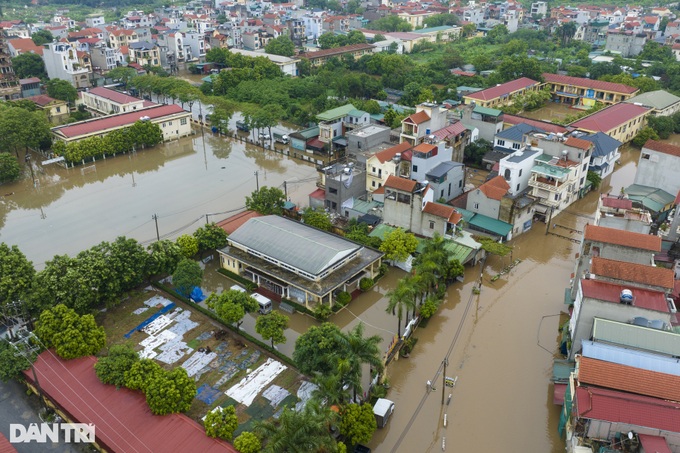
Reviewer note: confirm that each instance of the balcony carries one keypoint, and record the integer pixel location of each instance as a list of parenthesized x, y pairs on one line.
[(546, 184)]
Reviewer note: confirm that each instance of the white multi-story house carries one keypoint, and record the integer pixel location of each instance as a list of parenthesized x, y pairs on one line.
[(313, 26), (62, 62), (429, 117), (605, 153), (105, 101), (95, 20), (335, 122), (659, 167), (195, 41)]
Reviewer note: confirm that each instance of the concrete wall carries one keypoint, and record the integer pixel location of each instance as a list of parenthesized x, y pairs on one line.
[(658, 170), (479, 203), (452, 187)]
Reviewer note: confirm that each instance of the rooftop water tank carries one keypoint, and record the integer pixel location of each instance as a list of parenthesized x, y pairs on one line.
[(641, 321), (626, 297)]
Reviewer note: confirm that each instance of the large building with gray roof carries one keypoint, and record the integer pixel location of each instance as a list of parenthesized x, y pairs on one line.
[(297, 261), (661, 102)]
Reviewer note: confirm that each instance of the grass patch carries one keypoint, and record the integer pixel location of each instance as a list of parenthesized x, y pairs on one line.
[(193, 344)]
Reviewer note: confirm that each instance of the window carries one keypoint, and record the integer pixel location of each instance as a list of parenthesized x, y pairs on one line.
[(415, 168), (403, 198), (432, 224), (460, 183), (645, 156), (520, 172), (476, 205), (557, 197), (332, 190), (581, 182), (585, 166), (517, 187), (373, 169), (516, 146), (441, 193), (506, 174), (183, 121), (500, 142), (163, 124), (372, 183)]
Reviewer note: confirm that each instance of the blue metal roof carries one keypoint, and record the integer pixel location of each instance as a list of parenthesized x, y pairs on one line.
[(630, 357), (604, 144), (516, 132)]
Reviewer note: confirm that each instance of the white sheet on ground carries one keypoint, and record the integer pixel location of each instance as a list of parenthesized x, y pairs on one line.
[(245, 391)]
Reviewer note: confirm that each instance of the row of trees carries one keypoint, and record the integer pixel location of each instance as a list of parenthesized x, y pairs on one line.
[(141, 134)]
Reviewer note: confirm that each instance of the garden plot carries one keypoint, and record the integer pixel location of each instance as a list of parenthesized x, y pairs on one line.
[(245, 391), (170, 341)]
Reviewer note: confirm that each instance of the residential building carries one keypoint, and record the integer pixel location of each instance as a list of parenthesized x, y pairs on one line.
[(173, 120), (195, 42), (18, 46), (582, 91), (661, 103), (104, 101), (287, 65), (335, 24), (426, 156), (625, 43), (95, 20), (298, 33), (119, 37), (388, 45), (144, 53), (106, 58), (605, 153), (360, 140), (539, 9), (633, 274), (415, 18), (487, 121), (486, 199), (516, 167), (595, 32), (30, 87), (335, 122), (621, 121), (62, 62), (409, 205), (429, 117), (342, 184), (447, 180), (620, 214), (55, 109), (393, 161), (319, 57), (502, 94), (409, 39), (313, 26), (274, 252), (457, 136), (659, 167)]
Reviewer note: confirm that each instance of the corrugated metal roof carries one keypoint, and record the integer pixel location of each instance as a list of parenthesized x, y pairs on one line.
[(491, 225), (380, 231), (622, 237), (658, 99), (293, 243), (604, 144), (650, 197), (516, 132), (506, 88), (610, 118), (630, 357), (121, 416), (654, 444), (659, 341), (338, 112)]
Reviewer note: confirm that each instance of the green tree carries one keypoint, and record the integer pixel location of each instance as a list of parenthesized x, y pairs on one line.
[(22, 129), (188, 244), (221, 422), (142, 373), (317, 218), (187, 275), (248, 442), (266, 201), (330, 389), (111, 368), (475, 151), (272, 326), (566, 32), (12, 361), (360, 350), (497, 34), (123, 74), (71, 335), (10, 170), (594, 178), (210, 237), (314, 347), (280, 46), (170, 392), (598, 70), (664, 126), (41, 37), (232, 306), (647, 133), (61, 89), (515, 67), (469, 29), (29, 65), (398, 245), (390, 23), (357, 423), (16, 273), (401, 299), (491, 246), (438, 20), (164, 257)]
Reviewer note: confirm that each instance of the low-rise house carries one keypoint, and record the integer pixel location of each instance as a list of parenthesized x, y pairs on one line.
[(105, 101), (605, 153), (662, 103), (119, 37), (659, 167), (582, 91), (487, 121), (55, 109), (620, 214), (320, 57), (621, 121), (30, 87), (457, 136), (447, 180), (106, 58), (335, 122), (444, 33), (429, 117), (20, 46), (274, 252), (364, 138), (487, 198), (342, 183), (144, 53), (174, 121), (633, 274), (502, 94), (393, 161)]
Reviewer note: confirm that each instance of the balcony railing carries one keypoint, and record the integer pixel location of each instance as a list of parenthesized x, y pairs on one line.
[(545, 184)]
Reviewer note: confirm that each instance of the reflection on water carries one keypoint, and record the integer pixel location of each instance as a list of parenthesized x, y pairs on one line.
[(72, 209)]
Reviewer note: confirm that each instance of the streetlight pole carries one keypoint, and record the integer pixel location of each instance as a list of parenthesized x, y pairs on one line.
[(257, 180)]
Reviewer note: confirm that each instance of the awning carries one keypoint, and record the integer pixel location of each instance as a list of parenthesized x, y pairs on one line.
[(315, 143), (558, 394), (655, 444), (369, 219), (319, 194)]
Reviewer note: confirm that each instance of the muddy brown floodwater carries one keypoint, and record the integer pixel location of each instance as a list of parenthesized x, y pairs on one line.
[(70, 210)]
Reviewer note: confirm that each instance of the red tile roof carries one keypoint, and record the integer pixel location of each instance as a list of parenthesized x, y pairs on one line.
[(42, 100), (662, 147), (544, 125), (389, 153), (589, 83), (611, 292), (121, 416), (617, 203), (495, 188), (503, 89), (628, 379), (626, 408), (29, 80), (418, 118), (632, 272), (379, 190), (335, 51), (657, 444), (318, 194), (113, 95), (578, 143), (452, 130), (425, 148), (115, 121), (25, 45), (395, 182), (444, 211), (231, 224), (610, 118), (622, 237)]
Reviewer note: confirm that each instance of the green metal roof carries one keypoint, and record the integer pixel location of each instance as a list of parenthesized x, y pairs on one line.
[(380, 231), (650, 197), (365, 207), (458, 251), (356, 113), (334, 114), (306, 133), (620, 333), (467, 215), (550, 170), (487, 111), (492, 225), (658, 99), (435, 29), (207, 79)]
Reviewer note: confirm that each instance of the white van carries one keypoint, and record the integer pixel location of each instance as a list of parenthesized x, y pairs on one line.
[(264, 303)]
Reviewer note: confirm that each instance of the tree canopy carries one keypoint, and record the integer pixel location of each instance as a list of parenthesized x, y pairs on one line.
[(61, 89), (221, 422), (398, 245), (272, 327), (70, 334), (111, 369), (29, 65), (317, 218), (10, 170), (187, 275), (357, 423), (266, 201), (210, 237), (280, 46), (232, 306)]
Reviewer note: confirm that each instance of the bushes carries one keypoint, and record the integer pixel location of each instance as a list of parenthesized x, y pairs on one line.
[(250, 286), (343, 298), (322, 312), (366, 283)]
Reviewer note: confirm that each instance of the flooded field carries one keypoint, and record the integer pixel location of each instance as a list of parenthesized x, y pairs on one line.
[(552, 111)]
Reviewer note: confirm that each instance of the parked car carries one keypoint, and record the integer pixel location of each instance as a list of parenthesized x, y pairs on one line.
[(264, 136)]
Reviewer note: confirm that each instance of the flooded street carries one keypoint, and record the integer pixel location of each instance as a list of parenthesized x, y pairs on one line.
[(70, 210)]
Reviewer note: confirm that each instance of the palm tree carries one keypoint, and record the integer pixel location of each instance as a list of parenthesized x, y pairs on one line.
[(305, 431), (361, 350), (330, 389), (401, 298)]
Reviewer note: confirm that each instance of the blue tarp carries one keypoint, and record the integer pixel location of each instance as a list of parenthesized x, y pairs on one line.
[(208, 394), (150, 319), (197, 294)]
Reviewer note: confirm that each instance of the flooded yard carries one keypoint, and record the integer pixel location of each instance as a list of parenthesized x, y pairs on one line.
[(551, 112)]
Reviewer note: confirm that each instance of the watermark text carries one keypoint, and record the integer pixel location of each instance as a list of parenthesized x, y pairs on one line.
[(41, 433)]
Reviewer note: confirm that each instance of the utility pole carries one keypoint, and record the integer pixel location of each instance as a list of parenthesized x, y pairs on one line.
[(158, 236), (206, 218), (285, 190), (445, 362), (257, 180), (547, 227)]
